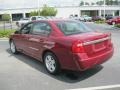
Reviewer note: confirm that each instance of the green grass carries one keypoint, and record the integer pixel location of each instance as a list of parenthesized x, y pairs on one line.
[(6, 33), (117, 25), (100, 22)]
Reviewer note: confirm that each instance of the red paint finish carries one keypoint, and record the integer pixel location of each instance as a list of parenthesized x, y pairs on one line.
[(115, 20), (75, 52)]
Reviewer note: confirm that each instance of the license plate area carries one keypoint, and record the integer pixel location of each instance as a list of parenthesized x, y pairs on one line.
[(98, 46)]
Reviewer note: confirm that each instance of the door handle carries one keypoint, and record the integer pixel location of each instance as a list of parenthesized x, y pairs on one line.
[(41, 40)]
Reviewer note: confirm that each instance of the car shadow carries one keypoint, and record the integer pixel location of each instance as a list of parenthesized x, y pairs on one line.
[(65, 75)]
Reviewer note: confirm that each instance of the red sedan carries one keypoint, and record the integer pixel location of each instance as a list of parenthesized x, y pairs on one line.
[(115, 20), (62, 44)]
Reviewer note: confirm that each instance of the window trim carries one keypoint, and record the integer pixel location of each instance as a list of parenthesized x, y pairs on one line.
[(41, 33), (56, 23), (25, 26)]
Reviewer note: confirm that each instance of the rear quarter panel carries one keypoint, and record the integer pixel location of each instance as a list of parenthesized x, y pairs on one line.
[(63, 51)]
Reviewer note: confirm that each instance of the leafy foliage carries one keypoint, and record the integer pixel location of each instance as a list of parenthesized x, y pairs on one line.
[(100, 22), (117, 25), (6, 33), (6, 17), (46, 11), (81, 3), (100, 2), (34, 13)]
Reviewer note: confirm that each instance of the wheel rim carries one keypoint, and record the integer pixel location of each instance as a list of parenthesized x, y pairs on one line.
[(50, 63), (12, 47)]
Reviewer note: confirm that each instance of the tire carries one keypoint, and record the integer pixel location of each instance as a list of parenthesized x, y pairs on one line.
[(13, 47), (51, 63)]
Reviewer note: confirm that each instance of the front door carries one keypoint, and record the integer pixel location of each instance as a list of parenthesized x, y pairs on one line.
[(39, 36), (24, 37)]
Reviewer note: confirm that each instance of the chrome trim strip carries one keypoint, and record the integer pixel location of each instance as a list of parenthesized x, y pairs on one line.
[(34, 48), (96, 41), (34, 40)]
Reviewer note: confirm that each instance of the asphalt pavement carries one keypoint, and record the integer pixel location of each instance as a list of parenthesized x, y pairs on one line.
[(20, 72)]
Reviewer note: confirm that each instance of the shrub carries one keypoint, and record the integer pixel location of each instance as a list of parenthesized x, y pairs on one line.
[(5, 17), (34, 13), (45, 11), (100, 21), (117, 25), (48, 11), (6, 33)]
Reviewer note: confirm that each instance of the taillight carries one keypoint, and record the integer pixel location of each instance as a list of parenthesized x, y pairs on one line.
[(78, 47)]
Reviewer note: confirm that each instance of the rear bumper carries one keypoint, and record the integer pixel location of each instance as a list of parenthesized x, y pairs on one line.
[(109, 22), (83, 62)]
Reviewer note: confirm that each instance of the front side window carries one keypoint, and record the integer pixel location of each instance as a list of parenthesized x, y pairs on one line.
[(72, 27), (26, 29), (41, 28)]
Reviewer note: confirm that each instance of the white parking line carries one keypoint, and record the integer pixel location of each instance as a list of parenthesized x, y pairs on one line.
[(99, 87)]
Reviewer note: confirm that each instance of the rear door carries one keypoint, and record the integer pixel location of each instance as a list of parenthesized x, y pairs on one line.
[(39, 38)]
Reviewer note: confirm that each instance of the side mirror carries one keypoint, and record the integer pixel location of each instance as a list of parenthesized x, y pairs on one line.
[(17, 32)]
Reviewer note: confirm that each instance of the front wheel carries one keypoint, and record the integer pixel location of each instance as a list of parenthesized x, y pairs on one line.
[(51, 63), (13, 47)]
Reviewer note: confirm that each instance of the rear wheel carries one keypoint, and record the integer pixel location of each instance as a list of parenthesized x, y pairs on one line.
[(51, 63), (13, 47)]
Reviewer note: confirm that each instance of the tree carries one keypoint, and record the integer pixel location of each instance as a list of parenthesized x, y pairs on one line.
[(92, 3), (100, 2), (34, 13), (6, 17), (107, 2), (116, 2), (112, 2), (86, 3), (81, 3), (48, 11)]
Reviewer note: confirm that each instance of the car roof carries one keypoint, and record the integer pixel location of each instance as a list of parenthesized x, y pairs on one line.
[(54, 20), (36, 16)]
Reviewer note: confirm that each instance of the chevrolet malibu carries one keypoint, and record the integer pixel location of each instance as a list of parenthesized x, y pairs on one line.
[(62, 44)]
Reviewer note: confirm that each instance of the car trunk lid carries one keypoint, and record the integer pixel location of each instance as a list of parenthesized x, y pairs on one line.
[(93, 42)]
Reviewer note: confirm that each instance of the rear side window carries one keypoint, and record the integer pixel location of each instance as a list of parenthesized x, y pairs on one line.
[(41, 28), (72, 27), (40, 18)]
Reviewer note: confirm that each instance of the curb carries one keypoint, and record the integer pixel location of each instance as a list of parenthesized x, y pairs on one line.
[(4, 39)]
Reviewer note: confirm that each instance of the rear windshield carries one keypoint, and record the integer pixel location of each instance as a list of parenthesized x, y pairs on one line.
[(72, 27)]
